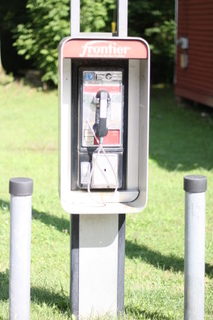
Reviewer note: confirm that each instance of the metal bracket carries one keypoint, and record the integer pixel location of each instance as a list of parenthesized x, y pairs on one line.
[(122, 21)]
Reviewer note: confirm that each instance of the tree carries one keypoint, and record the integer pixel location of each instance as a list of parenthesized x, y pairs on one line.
[(38, 38), (97, 15), (47, 22), (154, 20), (12, 12)]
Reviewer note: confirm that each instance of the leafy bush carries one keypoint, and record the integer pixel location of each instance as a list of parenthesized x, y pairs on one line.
[(162, 45), (38, 38), (97, 15), (47, 22), (154, 20)]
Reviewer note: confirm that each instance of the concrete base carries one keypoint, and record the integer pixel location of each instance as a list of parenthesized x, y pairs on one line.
[(97, 265)]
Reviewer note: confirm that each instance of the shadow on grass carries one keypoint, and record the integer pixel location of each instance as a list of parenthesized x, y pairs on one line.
[(59, 223), (56, 300), (61, 302), (133, 250), (4, 205), (158, 260), (137, 312), (180, 137), (4, 285), (38, 295)]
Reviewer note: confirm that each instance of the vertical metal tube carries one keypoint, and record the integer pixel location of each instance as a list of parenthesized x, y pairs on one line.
[(20, 239), (75, 17), (194, 263), (122, 12)]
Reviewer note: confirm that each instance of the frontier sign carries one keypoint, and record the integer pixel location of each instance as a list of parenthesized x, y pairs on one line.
[(117, 49)]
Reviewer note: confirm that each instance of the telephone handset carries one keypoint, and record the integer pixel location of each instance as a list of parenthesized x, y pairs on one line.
[(102, 100)]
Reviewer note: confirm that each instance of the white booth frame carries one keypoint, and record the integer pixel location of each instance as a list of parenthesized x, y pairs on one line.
[(134, 198)]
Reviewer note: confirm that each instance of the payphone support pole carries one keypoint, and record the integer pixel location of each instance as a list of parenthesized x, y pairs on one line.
[(97, 240), (122, 20)]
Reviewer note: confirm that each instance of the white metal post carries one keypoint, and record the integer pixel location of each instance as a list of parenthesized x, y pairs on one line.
[(194, 263), (122, 18), (20, 238), (75, 18)]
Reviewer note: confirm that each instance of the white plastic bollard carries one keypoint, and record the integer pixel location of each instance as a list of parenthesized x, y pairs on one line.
[(194, 263), (20, 240)]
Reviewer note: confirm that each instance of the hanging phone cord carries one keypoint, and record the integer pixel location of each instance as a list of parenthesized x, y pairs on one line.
[(99, 150)]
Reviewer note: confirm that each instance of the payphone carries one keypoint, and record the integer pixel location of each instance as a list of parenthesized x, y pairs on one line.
[(101, 128), (104, 109), (104, 130)]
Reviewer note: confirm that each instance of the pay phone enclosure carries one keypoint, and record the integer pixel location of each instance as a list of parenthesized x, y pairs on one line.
[(104, 92), (100, 106)]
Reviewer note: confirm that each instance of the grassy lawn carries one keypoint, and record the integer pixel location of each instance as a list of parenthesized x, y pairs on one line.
[(181, 142)]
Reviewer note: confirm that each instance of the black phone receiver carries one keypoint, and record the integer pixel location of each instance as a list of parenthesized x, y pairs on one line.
[(102, 104)]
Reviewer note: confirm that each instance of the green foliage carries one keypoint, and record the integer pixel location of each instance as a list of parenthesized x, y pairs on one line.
[(145, 14), (97, 15), (47, 22), (162, 38), (11, 13), (163, 50), (38, 38), (154, 20)]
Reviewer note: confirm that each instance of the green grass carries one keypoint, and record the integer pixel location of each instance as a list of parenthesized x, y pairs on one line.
[(180, 144)]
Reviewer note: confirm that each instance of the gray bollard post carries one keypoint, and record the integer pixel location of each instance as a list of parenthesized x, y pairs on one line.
[(194, 263), (20, 239)]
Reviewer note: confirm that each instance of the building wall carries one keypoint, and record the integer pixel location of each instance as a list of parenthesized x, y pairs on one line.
[(194, 65)]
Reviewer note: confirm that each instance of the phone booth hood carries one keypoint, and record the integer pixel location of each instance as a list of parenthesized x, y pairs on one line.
[(133, 197)]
